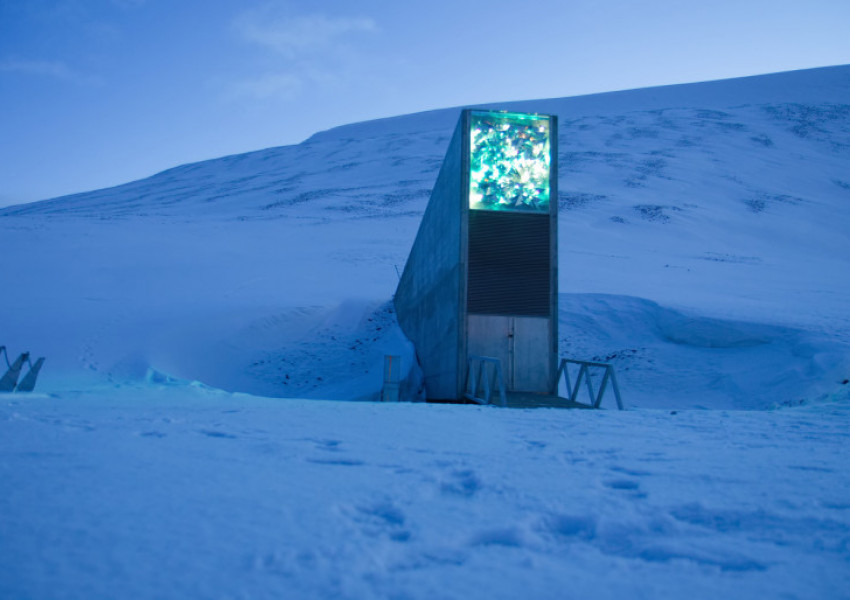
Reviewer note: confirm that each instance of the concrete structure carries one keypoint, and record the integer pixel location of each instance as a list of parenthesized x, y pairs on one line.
[(482, 276)]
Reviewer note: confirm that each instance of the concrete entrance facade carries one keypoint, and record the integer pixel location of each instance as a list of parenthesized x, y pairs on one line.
[(482, 276)]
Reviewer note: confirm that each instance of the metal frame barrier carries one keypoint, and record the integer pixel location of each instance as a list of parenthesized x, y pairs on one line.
[(484, 379), (9, 381), (584, 373)]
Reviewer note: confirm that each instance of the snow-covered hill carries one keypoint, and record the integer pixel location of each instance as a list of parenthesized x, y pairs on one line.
[(621, 145), (260, 272), (179, 444)]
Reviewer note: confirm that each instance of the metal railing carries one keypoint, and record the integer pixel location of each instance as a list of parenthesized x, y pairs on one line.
[(584, 375), (9, 381), (482, 375)]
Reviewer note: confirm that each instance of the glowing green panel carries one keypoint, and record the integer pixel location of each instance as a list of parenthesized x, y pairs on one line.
[(509, 162)]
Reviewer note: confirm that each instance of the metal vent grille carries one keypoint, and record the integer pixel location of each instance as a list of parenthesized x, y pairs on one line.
[(508, 264)]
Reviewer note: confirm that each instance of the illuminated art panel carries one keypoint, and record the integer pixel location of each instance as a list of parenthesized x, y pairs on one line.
[(509, 162)]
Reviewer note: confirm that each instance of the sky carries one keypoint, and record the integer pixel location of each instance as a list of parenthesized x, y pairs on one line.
[(95, 93)]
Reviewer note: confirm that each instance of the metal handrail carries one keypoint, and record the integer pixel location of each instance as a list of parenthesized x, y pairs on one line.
[(584, 373), (484, 379)]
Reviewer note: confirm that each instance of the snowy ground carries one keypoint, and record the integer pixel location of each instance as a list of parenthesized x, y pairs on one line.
[(180, 442), (184, 492)]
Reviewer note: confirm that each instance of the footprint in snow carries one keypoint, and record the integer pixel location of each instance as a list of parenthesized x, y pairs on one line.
[(573, 527), (463, 483), (626, 485), (342, 462), (329, 445), (632, 472), (661, 553), (622, 484), (380, 518), (217, 434), (512, 537)]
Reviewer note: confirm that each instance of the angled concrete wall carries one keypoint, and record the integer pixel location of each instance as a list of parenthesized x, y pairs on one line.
[(431, 290)]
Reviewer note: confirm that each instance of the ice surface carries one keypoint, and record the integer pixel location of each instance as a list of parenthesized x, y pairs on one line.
[(180, 442)]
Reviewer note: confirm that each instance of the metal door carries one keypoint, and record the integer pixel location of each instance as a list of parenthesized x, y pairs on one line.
[(520, 343)]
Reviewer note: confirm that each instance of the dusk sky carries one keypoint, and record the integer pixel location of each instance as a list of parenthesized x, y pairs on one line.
[(95, 93)]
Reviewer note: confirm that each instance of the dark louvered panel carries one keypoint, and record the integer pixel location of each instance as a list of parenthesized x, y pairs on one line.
[(508, 263)]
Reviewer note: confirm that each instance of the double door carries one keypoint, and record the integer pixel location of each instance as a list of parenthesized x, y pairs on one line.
[(522, 345)]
